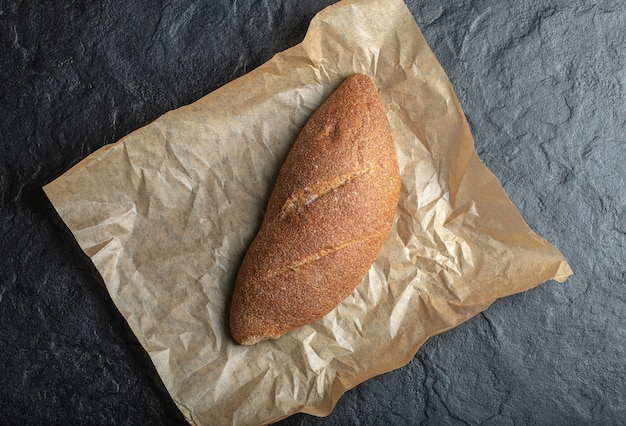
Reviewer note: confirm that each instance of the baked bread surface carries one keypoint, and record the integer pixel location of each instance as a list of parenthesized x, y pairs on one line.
[(329, 214)]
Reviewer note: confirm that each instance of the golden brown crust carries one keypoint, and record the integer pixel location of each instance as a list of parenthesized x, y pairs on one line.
[(328, 216)]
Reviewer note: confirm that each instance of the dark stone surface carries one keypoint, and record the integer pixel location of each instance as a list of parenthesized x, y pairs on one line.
[(543, 85)]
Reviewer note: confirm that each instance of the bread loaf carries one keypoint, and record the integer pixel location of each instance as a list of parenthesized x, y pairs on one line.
[(329, 214)]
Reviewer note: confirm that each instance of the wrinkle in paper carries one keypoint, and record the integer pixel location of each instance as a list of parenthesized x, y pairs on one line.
[(167, 213)]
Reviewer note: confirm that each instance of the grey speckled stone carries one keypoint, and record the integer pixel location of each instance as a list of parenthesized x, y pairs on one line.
[(543, 86)]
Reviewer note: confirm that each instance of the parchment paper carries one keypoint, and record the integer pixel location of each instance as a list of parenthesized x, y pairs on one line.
[(167, 213)]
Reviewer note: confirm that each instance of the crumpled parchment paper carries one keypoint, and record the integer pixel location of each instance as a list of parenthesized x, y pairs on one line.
[(167, 213)]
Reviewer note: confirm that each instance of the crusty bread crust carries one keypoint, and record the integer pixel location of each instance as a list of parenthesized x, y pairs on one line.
[(329, 214)]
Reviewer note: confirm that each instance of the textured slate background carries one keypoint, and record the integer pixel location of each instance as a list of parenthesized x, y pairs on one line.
[(542, 83)]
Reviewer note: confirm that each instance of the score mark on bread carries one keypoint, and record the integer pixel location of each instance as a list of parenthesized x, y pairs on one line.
[(329, 214)]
